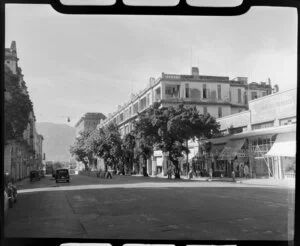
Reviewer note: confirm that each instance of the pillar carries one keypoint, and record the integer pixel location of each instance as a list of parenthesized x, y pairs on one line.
[(164, 164), (154, 166)]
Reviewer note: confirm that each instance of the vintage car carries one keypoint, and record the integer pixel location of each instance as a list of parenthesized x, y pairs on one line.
[(42, 173), (34, 175), (62, 175)]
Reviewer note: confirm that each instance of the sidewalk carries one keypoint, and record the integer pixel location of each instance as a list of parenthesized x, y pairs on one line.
[(262, 181)]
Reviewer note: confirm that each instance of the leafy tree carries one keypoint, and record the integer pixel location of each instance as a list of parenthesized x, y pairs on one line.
[(17, 106), (80, 150), (169, 128), (106, 143), (128, 145)]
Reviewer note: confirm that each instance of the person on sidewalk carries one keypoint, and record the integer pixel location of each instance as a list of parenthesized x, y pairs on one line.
[(169, 172), (246, 171)]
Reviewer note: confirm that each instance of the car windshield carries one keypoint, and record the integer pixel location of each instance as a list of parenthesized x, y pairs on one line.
[(63, 172)]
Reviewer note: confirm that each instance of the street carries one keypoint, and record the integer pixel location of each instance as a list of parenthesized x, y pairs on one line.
[(177, 210)]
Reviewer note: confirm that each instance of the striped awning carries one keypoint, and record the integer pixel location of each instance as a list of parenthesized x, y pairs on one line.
[(231, 149)]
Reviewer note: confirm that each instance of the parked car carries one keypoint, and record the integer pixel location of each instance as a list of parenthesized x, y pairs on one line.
[(62, 175), (42, 174), (34, 175)]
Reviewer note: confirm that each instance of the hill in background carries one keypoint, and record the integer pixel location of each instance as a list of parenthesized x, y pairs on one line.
[(57, 140)]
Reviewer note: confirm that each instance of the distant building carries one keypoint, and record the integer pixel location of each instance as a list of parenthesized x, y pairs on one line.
[(88, 122)]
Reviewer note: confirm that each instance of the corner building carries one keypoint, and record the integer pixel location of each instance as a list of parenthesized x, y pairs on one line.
[(217, 95), (263, 138)]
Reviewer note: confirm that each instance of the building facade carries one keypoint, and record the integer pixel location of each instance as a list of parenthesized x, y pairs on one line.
[(22, 156), (262, 138), (88, 122), (217, 95)]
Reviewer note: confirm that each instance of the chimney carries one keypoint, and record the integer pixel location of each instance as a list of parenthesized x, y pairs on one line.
[(195, 71), (13, 47)]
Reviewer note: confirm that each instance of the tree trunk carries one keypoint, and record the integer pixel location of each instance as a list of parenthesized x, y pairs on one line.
[(175, 162), (145, 166)]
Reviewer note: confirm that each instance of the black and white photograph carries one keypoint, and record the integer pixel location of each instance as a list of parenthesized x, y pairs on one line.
[(150, 127)]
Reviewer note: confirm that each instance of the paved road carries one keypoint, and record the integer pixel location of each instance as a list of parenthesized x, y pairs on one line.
[(201, 212)]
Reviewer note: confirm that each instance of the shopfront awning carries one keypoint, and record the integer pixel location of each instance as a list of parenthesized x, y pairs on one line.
[(231, 149), (216, 150), (284, 145)]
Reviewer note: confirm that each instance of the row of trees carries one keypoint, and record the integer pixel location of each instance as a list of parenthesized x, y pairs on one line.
[(158, 128)]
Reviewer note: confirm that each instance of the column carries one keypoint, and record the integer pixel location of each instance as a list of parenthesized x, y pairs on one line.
[(154, 166), (164, 164)]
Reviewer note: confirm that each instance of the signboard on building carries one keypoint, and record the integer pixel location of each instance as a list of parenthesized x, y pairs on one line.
[(276, 106), (236, 120)]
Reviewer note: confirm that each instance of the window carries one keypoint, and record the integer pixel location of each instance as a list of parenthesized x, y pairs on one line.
[(219, 112), (157, 95), (135, 108), (204, 91), (143, 103), (204, 110), (239, 96), (187, 91), (253, 95), (148, 100), (172, 91), (219, 92)]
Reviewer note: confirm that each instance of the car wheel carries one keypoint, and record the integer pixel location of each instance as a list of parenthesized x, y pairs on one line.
[(11, 204)]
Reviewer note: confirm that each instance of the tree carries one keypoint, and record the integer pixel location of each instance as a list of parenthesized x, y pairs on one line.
[(170, 128), (128, 145), (106, 143), (80, 151), (17, 107)]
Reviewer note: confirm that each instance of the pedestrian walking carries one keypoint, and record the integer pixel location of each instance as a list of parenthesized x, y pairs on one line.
[(169, 172), (246, 171)]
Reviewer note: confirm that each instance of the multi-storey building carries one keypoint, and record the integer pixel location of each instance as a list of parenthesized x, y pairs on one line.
[(19, 159), (217, 95), (263, 138), (88, 122)]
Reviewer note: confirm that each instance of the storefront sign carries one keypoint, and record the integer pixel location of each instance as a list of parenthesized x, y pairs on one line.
[(277, 106), (237, 120)]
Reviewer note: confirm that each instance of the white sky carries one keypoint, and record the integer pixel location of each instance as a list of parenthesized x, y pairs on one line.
[(74, 64)]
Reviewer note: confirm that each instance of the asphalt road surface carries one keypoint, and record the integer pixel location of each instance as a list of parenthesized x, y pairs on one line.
[(190, 211)]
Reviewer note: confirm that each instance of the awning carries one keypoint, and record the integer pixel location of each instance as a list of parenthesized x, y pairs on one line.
[(231, 149), (216, 150), (284, 145)]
